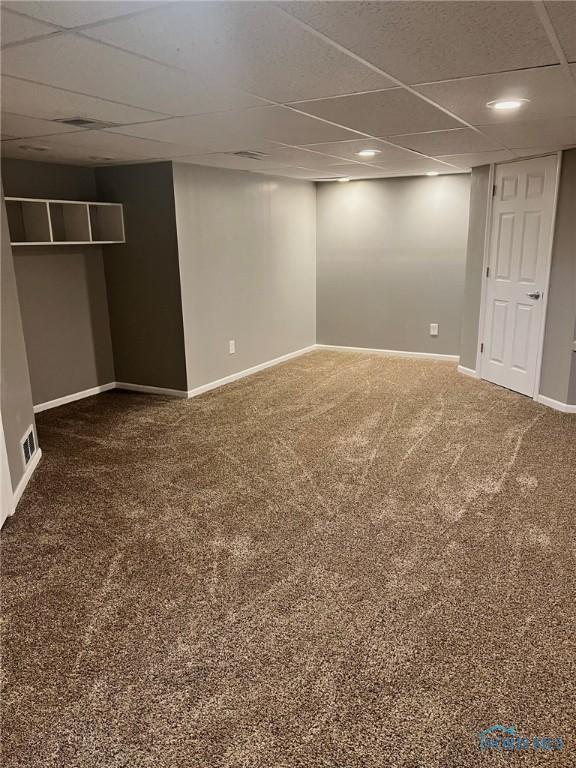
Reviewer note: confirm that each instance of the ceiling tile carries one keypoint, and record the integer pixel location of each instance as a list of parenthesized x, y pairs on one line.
[(13, 151), (428, 41), (121, 147), (297, 173), (348, 150), (381, 113), (356, 170), (25, 98), (302, 157), (15, 28), (563, 18), (69, 14), (469, 160), (414, 164), (550, 91), (382, 173), (61, 153), (230, 131), (250, 46), (455, 141), (536, 133), (536, 151), (224, 160), (20, 127), (409, 165), (88, 67)]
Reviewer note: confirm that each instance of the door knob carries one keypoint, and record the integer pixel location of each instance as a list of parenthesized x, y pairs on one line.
[(535, 295)]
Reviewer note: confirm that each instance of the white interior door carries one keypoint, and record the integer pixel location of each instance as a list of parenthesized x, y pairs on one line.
[(520, 240)]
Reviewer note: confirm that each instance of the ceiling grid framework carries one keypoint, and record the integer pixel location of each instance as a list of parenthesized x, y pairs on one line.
[(305, 85)]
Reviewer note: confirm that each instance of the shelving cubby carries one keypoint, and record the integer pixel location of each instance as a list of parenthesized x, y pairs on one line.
[(64, 222), (28, 221), (107, 222)]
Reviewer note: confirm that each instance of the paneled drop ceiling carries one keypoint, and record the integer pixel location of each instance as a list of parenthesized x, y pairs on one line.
[(297, 88)]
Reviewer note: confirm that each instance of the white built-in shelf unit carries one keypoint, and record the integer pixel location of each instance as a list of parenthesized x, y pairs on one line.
[(64, 222)]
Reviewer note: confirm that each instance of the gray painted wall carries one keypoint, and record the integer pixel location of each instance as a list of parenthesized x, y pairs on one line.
[(143, 278), (62, 291), (390, 261), (65, 316), (16, 395), (558, 355), (474, 265), (247, 261)]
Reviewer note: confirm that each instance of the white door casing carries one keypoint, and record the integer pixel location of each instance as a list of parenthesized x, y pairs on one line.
[(521, 232)]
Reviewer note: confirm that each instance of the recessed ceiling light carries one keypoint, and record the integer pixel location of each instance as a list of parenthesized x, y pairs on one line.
[(368, 152), (432, 173), (504, 104), (345, 179)]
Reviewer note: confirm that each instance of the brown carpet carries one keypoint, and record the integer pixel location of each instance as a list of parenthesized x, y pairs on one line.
[(347, 561)]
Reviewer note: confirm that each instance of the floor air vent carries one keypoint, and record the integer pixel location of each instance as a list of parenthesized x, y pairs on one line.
[(28, 446)]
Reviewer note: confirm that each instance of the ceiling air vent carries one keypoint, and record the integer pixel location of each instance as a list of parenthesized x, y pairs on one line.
[(33, 147), (84, 122), (249, 154)]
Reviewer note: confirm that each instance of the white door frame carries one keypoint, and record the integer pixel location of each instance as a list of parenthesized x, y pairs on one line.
[(486, 262)]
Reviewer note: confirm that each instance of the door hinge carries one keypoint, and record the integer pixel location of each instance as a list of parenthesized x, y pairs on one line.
[(482, 348), (493, 190), (487, 271)]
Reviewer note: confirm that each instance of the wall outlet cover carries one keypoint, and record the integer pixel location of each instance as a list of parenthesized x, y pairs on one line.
[(231, 346), (433, 329)]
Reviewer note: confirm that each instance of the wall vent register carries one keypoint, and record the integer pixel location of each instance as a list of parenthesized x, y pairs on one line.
[(28, 446), (64, 222)]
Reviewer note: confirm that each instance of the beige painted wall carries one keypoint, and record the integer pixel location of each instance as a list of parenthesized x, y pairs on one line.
[(247, 264), (391, 256), (62, 291), (16, 394)]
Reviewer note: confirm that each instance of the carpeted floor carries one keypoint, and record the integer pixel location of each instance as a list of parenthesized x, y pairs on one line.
[(346, 561)]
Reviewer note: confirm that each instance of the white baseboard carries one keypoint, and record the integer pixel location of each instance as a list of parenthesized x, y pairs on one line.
[(556, 404), (248, 371), (105, 388), (24, 480), (232, 377), (391, 352), (150, 390), (468, 372), (164, 390), (75, 396)]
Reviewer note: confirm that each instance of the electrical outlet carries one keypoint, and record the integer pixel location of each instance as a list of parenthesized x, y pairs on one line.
[(433, 329), (231, 346)]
